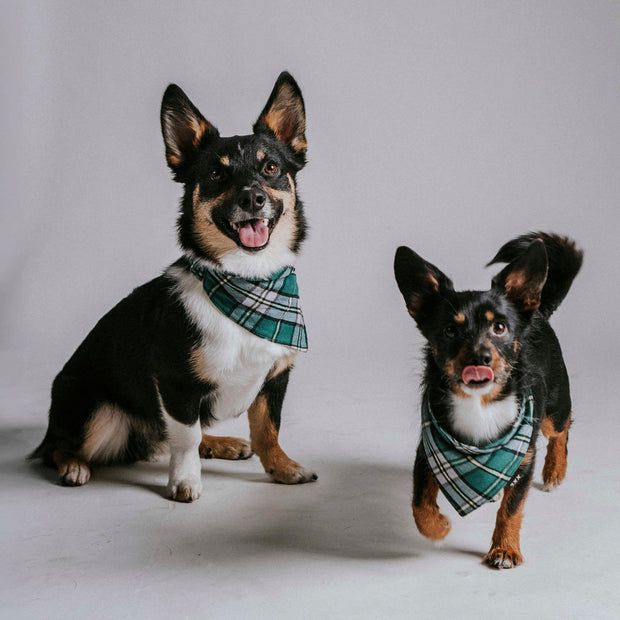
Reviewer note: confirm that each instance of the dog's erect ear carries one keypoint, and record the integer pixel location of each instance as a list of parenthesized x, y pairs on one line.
[(421, 283), (182, 126), (285, 115), (522, 280)]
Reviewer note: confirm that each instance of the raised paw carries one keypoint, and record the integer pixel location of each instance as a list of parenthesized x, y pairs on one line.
[(432, 524), (291, 473), (230, 448), (503, 557), (184, 490)]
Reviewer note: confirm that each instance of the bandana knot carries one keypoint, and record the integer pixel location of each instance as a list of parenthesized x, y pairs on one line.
[(470, 476), (267, 307)]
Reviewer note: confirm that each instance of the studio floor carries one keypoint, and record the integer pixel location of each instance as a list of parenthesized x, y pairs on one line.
[(343, 547)]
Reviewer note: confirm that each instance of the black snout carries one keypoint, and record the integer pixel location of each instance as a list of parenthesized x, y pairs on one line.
[(252, 199), (480, 357)]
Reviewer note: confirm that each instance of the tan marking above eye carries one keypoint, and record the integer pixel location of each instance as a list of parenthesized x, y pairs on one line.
[(225, 160), (260, 155), (489, 315), (459, 318)]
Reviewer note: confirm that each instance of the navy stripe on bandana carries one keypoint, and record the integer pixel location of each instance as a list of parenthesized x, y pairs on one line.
[(470, 476), (268, 308)]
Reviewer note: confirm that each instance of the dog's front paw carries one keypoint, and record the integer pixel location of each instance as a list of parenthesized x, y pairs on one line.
[(503, 557), (184, 490), (432, 524), (291, 472)]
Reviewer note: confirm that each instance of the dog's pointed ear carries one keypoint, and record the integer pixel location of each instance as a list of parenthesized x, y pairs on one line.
[(183, 127), (523, 279), (421, 283), (285, 116)]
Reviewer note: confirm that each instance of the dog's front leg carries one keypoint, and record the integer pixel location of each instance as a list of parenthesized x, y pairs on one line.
[(184, 483), (505, 549), (264, 417), (429, 521)]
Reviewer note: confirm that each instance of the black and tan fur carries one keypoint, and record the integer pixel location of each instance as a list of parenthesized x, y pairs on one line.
[(164, 363), (504, 329)]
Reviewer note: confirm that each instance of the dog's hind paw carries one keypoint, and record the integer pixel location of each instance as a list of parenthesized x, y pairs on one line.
[(552, 476), (230, 448), (72, 472)]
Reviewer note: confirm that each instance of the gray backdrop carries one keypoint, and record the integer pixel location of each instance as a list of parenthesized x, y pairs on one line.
[(447, 126)]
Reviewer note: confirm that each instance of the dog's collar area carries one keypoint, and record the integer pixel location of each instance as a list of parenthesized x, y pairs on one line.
[(199, 270), (469, 476), (267, 307)]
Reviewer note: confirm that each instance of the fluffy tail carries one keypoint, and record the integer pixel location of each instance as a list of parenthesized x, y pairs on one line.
[(45, 449), (564, 259)]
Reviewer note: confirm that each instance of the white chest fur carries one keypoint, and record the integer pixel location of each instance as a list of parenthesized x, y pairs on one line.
[(477, 423), (232, 358)]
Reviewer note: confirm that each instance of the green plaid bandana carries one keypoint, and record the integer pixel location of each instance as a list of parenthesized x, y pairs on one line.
[(470, 476), (268, 308)]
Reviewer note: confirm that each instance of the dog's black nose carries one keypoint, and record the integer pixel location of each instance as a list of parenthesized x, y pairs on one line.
[(481, 357), (252, 199)]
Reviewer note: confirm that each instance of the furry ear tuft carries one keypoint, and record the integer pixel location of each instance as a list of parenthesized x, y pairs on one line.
[(523, 279), (183, 127), (285, 115), (420, 282)]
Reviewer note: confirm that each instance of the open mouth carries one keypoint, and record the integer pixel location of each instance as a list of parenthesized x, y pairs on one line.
[(252, 234), (477, 376)]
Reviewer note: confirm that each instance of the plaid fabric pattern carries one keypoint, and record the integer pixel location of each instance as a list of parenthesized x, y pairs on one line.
[(267, 308), (470, 476)]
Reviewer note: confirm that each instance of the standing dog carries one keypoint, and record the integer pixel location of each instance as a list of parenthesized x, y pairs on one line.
[(494, 376), (218, 332)]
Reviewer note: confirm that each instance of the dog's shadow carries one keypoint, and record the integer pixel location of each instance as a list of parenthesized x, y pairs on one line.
[(357, 509)]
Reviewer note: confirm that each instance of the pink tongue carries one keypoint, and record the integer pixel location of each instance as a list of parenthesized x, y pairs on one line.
[(477, 373), (253, 233)]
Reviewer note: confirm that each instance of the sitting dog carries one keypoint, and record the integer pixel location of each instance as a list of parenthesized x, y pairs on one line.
[(494, 377), (218, 332)]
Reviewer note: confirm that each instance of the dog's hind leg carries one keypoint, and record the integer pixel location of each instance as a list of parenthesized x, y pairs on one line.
[(72, 471), (264, 417), (554, 470), (230, 448), (70, 411)]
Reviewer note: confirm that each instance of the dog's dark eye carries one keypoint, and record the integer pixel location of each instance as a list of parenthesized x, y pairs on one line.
[(499, 328), (270, 168), (449, 331), (216, 175)]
